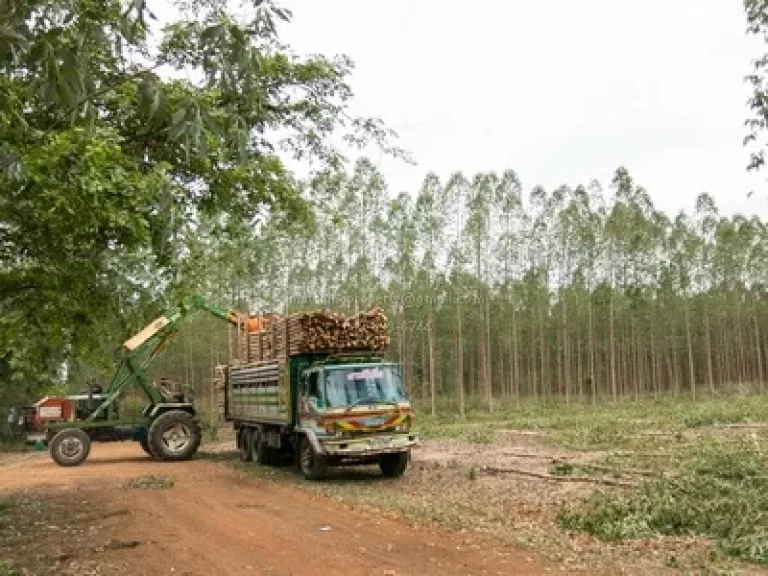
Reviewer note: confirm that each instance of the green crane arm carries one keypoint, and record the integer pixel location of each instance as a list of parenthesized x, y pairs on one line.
[(149, 342)]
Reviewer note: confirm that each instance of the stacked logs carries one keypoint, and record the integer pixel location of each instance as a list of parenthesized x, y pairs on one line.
[(238, 343), (320, 331), (219, 389)]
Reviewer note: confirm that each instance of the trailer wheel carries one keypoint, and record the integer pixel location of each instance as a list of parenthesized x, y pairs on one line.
[(313, 465), (174, 435), (70, 447), (260, 452), (394, 465), (244, 442)]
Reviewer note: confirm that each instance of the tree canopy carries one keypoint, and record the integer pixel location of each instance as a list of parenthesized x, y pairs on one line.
[(117, 135), (757, 124)]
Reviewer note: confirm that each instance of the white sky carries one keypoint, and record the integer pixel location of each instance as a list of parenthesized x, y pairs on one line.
[(562, 91)]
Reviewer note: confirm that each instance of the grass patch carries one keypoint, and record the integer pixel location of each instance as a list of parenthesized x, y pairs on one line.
[(630, 423), (5, 508), (13, 444), (149, 483), (479, 435), (721, 493), (7, 569)]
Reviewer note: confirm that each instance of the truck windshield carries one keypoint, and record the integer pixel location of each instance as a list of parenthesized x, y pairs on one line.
[(366, 384)]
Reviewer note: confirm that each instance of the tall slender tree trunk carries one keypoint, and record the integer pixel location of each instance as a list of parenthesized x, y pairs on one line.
[(566, 359), (534, 379), (727, 377), (431, 346), (424, 379), (691, 367), (543, 355), (758, 356), (488, 355), (459, 360), (670, 355), (708, 344), (579, 369), (635, 357), (611, 343), (592, 375), (514, 372)]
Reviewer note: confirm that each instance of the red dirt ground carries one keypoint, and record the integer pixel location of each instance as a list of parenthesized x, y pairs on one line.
[(219, 520)]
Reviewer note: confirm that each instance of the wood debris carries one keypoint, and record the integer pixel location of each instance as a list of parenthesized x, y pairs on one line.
[(588, 479)]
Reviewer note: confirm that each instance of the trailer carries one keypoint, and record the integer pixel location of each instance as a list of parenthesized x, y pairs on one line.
[(321, 410)]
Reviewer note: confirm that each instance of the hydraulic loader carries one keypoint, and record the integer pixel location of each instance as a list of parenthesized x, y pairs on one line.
[(168, 428)]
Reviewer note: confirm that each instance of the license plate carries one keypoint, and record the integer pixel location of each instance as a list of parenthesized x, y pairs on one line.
[(379, 441), (374, 421)]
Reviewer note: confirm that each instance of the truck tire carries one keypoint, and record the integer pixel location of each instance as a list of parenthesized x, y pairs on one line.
[(174, 435), (260, 452), (394, 465), (244, 441), (70, 447), (312, 465)]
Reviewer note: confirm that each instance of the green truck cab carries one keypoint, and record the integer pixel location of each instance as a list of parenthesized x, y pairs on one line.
[(321, 410)]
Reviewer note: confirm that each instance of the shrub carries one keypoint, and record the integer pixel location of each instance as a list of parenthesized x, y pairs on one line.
[(722, 494)]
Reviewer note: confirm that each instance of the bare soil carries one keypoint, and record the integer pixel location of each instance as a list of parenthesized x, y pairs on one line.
[(107, 516)]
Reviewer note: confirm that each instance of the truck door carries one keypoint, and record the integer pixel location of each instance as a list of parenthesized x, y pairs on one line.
[(310, 396)]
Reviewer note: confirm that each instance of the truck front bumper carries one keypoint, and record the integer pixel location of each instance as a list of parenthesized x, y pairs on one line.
[(368, 445)]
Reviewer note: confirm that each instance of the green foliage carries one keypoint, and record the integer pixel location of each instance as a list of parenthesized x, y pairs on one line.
[(720, 494), (757, 25), (478, 435), (7, 569), (108, 168)]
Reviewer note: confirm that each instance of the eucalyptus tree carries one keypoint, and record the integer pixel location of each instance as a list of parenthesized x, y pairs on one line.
[(457, 191), (757, 25), (508, 200), (401, 266), (477, 231), (430, 216)]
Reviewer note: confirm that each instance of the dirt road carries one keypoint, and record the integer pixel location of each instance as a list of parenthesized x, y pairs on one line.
[(216, 519)]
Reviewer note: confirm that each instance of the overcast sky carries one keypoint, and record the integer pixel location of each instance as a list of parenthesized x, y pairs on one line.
[(563, 91)]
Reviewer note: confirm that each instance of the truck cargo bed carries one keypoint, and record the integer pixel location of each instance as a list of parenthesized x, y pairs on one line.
[(258, 391)]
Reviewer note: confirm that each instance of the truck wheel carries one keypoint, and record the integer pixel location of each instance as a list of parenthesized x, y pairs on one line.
[(394, 465), (260, 452), (174, 435), (245, 444), (70, 447), (312, 465)]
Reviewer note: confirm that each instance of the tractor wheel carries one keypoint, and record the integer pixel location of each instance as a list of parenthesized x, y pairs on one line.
[(260, 452), (245, 440), (144, 443), (70, 447), (394, 465), (313, 465), (174, 435)]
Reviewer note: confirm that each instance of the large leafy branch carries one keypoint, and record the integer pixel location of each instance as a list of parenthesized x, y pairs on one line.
[(117, 136)]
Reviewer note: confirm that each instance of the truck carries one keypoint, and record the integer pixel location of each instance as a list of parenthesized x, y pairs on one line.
[(321, 409), (167, 428)]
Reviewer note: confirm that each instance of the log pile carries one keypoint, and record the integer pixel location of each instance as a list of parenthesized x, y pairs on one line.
[(238, 343), (320, 331), (219, 390)]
